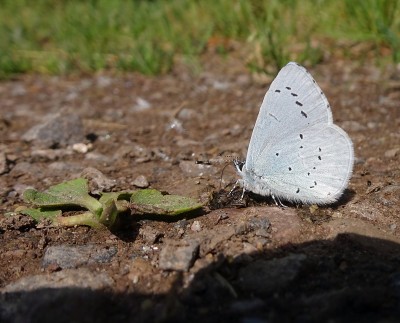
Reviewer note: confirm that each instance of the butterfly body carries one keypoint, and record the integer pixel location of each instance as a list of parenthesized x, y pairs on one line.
[(296, 153)]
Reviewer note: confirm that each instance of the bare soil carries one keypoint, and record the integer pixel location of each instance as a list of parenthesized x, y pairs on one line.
[(339, 263)]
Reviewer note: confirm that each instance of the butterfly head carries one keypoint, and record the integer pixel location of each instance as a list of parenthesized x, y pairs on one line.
[(238, 164)]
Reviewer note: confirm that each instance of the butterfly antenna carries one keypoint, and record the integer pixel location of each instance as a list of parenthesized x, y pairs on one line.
[(222, 174), (224, 160)]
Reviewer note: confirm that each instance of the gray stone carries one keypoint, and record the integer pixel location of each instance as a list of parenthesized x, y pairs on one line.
[(141, 105), (98, 158), (66, 296), (141, 181), (60, 166), (49, 154), (3, 163), (211, 239), (82, 278), (178, 255), (266, 276), (196, 226), (258, 223), (391, 153), (56, 130), (27, 169), (65, 256), (149, 234), (98, 182)]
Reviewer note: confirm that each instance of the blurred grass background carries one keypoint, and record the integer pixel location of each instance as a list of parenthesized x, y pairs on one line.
[(148, 36)]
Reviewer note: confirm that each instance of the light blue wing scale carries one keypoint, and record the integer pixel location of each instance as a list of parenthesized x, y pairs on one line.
[(326, 156), (296, 153), (293, 99)]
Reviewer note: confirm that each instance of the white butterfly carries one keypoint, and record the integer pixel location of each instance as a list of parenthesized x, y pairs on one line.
[(296, 153)]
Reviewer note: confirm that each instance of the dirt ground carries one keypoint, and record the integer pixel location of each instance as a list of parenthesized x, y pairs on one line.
[(254, 263)]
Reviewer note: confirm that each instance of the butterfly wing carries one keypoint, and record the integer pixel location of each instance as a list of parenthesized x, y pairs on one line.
[(293, 102), (296, 152), (313, 166)]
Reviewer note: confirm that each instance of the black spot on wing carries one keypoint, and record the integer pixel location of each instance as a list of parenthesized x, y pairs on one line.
[(288, 88), (290, 168), (301, 136), (293, 94), (299, 103), (278, 91), (304, 114)]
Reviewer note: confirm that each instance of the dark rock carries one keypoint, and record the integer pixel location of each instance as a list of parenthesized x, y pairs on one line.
[(149, 234), (82, 278), (65, 256), (98, 182), (178, 255), (56, 130), (3, 163), (141, 181), (266, 276), (27, 169)]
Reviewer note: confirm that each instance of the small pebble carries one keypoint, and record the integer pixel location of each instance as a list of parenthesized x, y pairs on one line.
[(3, 163), (178, 255), (141, 105), (391, 153), (141, 181), (56, 130), (81, 147), (196, 226), (98, 182)]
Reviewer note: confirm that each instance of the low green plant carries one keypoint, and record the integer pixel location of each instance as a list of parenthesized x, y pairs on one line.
[(103, 212)]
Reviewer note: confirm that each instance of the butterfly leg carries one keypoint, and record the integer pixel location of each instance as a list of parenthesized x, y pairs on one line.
[(244, 190), (234, 186), (277, 201), (238, 183)]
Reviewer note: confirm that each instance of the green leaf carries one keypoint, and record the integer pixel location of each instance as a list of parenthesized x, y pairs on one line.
[(86, 218), (150, 201), (41, 213), (74, 192), (109, 214), (117, 196)]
